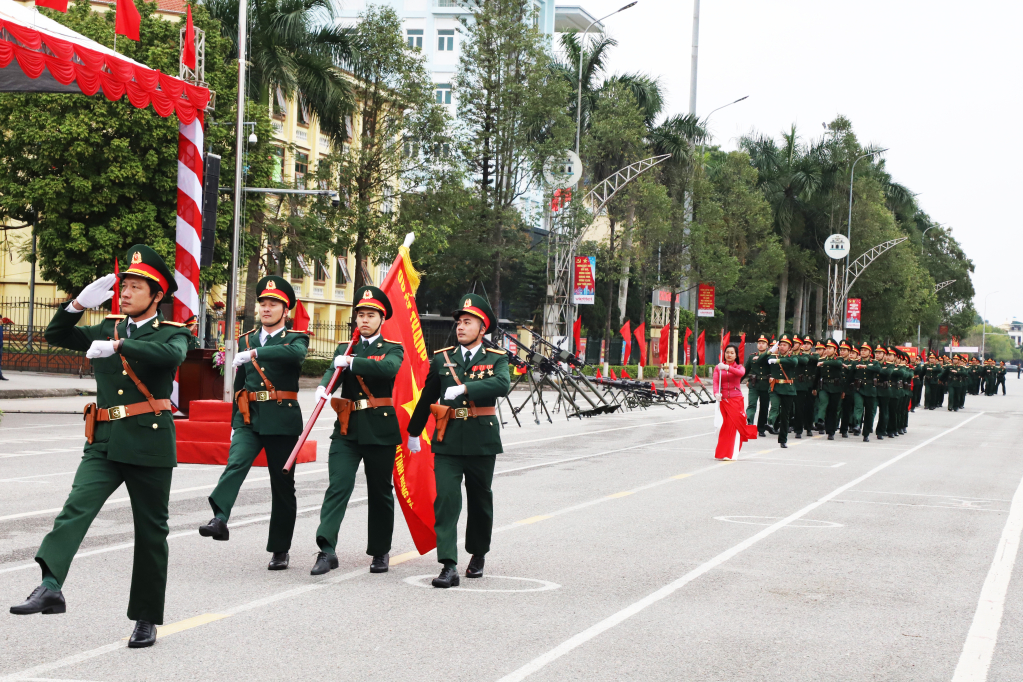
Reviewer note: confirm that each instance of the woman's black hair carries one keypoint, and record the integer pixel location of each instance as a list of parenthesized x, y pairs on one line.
[(734, 347)]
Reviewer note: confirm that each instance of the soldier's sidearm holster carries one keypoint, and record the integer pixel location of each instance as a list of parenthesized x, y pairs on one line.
[(90, 422), (242, 398), (441, 413), (343, 408)]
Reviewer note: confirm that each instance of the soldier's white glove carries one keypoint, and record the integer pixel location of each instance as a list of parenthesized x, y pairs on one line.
[(232, 434), (241, 357), (773, 361), (413, 444), (452, 392), (774, 348), (97, 293), (321, 393), (343, 361), (100, 349)]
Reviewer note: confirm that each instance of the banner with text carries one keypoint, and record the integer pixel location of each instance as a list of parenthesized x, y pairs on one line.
[(662, 298), (852, 313), (705, 300), (584, 280)]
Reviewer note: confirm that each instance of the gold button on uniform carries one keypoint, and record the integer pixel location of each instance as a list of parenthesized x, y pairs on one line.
[(124, 372), (155, 426), (120, 391)]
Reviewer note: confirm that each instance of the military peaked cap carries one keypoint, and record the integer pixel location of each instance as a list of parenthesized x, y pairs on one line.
[(374, 299), (276, 287), (146, 263)]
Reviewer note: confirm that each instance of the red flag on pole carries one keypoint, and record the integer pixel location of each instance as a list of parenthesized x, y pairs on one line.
[(627, 346), (188, 51), (685, 346), (641, 343), (662, 349), (59, 5), (625, 374), (611, 372), (115, 302), (301, 318), (598, 375), (700, 346), (725, 338), (414, 483), (128, 19), (577, 328), (742, 348)]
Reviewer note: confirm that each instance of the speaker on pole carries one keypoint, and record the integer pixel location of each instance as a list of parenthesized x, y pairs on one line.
[(210, 197)]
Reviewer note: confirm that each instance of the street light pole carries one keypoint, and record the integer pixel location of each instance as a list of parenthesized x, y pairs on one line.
[(922, 237), (983, 329), (845, 283), (706, 122), (579, 95)]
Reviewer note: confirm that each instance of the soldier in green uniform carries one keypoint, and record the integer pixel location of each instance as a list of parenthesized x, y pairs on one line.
[(468, 380), (806, 379), (908, 379), (366, 430), (884, 391), (192, 324), (266, 416), (1001, 377), (783, 367), (832, 385), (990, 377), (865, 372), (848, 356), (129, 434), (817, 416), (919, 369), (895, 393), (759, 387), (932, 375)]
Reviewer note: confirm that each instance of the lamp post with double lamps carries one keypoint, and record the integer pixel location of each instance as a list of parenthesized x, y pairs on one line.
[(852, 174)]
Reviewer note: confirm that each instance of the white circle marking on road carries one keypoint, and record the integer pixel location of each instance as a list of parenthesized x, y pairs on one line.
[(541, 585), (770, 521)]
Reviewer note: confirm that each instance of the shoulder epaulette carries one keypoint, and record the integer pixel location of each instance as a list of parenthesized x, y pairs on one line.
[(496, 350), (247, 333), (443, 349), (392, 341), (173, 324), (116, 317)]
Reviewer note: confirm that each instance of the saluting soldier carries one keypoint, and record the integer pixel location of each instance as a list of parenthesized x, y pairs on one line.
[(884, 391), (849, 357), (865, 372), (366, 430), (129, 434), (757, 378), (469, 380), (192, 324), (832, 386), (783, 367), (266, 416)]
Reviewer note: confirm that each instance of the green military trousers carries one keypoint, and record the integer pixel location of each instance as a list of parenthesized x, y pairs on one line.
[(829, 406), (883, 410), (931, 396), (378, 461), (149, 490), (762, 395), (864, 410), (478, 471), (245, 447)]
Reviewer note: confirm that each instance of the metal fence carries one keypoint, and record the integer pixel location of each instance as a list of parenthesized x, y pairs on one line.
[(614, 354)]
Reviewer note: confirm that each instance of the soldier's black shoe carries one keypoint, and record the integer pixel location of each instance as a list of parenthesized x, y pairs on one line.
[(325, 563), (216, 529), (448, 578), (799, 435), (761, 434), (278, 562), (143, 636), (866, 438), (857, 431), (845, 435), (831, 436), (771, 430), (380, 564), (475, 567), (783, 445), (42, 600)]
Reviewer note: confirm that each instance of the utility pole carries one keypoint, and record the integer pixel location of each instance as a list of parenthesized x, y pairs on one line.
[(685, 286)]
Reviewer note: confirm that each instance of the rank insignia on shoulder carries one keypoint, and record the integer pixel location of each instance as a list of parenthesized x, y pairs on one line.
[(443, 349), (116, 317), (498, 351), (173, 324), (397, 343)]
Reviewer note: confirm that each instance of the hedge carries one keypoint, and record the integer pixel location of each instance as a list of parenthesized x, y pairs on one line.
[(650, 371), (315, 367)]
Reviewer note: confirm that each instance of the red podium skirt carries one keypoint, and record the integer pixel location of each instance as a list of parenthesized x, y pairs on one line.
[(734, 429)]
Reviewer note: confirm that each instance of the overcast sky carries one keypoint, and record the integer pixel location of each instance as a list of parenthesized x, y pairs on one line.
[(936, 82)]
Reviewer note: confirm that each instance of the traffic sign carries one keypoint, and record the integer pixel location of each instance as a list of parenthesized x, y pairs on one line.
[(837, 246)]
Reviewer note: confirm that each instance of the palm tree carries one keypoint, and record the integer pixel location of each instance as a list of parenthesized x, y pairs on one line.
[(295, 47)]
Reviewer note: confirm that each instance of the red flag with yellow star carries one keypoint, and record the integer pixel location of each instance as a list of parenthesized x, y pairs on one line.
[(414, 483)]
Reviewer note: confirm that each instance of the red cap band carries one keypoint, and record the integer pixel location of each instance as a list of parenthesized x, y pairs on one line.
[(371, 303), (147, 271), (472, 310)]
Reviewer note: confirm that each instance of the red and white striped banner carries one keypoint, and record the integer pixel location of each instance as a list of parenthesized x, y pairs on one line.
[(189, 222)]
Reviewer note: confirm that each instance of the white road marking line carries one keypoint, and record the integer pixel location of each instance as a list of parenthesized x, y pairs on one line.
[(41, 440), (28, 478), (951, 497), (5, 429), (928, 506), (597, 454), (980, 643), (588, 433), (669, 589), (796, 463), (36, 453)]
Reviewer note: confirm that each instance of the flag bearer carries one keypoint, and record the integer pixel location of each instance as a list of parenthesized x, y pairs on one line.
[(366, 430), (783, 367), (757, 378), (266, 417), (468, 380), (129, 434)]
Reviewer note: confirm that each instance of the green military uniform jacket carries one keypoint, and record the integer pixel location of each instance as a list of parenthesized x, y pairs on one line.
[(955, 376), (154, 352), (933, 372), (864, 376), (786, 365), (757, 374), (832, 372), (486, 380), (281, 360), (884, 380), (378, 365), (905, 375), (193, 341)]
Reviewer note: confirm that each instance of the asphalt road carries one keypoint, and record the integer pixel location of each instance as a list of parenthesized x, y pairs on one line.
[(622, 550)]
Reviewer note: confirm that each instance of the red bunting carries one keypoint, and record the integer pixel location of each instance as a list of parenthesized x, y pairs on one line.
[(188, 53), (301, 318), (115, 302), (128, 19), (576, 333), (598, 375), (742, 348), (685, 347), (611, 372), (625, 374)]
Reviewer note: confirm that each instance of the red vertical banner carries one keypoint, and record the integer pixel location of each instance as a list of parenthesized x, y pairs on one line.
[(725, 338), (414, 484), (705, 300), (115, 302), (853, 310), (665, 340), (742, 348), (576, 331), (627, 346), (685, 346), (700, 347), (641, 343)]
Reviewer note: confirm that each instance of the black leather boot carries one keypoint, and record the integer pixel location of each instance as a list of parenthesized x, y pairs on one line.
[(42, 600), (324, 563), (216, 529), (143, 636), (278, 562), (448, 577), (380, 564), (475, 568)]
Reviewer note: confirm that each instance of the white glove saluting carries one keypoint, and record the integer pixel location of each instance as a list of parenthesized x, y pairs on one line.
[(97, 293), (321, 393), (773, 361), (343, 361), (100, 349), (452, 392), (413, 444), (242, 357)]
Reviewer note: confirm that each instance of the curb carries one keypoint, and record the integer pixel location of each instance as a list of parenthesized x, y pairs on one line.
[(15, 393)]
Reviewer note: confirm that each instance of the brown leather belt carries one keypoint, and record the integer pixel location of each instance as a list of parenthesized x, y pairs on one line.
[(472, 411), (783, 381), (263, 396), (93, 414)]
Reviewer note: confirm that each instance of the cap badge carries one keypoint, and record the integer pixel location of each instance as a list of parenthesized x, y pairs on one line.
[(468, 302), (136, 258), (271, 285), (367, 294)]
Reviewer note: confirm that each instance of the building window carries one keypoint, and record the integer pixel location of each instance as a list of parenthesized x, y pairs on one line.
[(446, 41), (322, 273), (443, 93), (301, 168), (383, 271), (414, 36), (341, 276)]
